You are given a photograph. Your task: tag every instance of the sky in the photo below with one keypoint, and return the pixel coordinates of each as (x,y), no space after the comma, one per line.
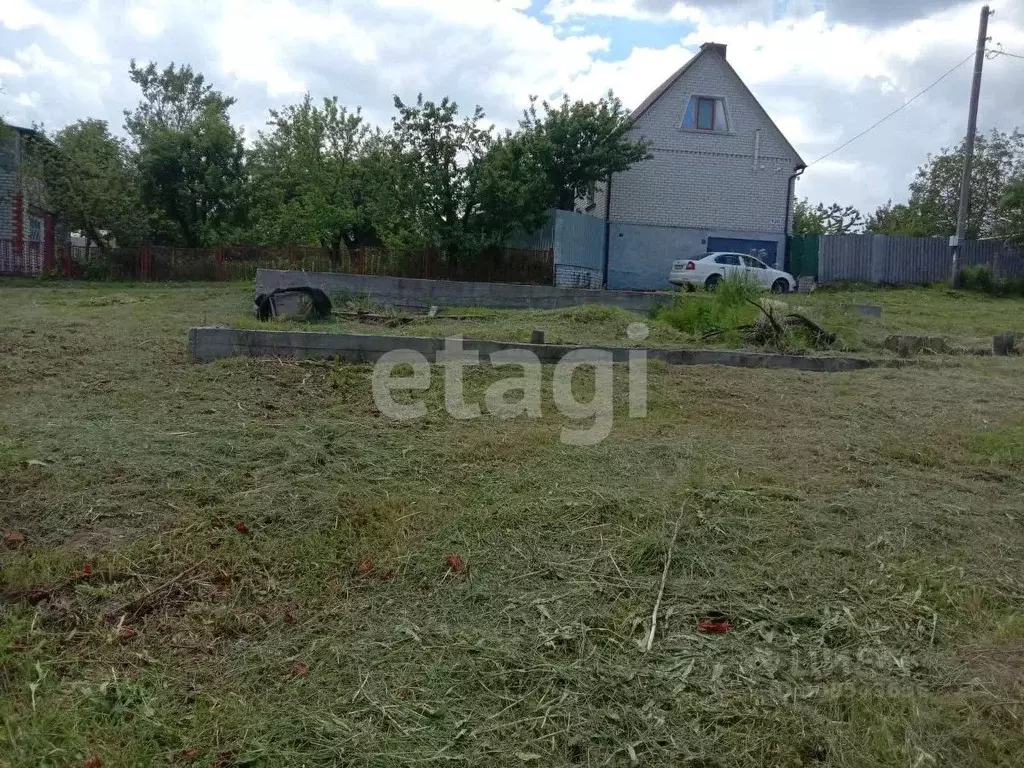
(824,69)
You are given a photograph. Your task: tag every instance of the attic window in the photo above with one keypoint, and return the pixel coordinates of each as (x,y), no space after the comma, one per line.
(706,113)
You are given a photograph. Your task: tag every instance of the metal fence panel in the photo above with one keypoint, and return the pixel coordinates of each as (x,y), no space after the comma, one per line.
(1003,259)
(913,260)
(845,257)
(897,260)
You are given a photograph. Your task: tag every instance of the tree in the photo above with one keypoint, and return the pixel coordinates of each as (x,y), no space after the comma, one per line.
(426,173)
(819,220)
(189,156)
(90,182)
(578,144)
(1011,211)
(308,175)
(896,219)
(935,191)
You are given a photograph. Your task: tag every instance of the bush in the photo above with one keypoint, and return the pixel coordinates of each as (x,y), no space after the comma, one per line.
(737,289)
(979,278)
(723,309)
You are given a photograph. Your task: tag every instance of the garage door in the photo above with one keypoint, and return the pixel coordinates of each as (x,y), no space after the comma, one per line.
(765,250)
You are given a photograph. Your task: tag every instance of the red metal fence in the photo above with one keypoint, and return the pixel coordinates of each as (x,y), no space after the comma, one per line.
(241,262)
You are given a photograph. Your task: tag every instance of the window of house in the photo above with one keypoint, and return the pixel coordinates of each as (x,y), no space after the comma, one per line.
(35,230)
(706,113)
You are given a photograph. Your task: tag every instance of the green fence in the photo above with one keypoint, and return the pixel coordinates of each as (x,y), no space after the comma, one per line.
(803,255)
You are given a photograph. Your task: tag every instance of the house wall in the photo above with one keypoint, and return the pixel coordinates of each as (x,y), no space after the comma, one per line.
(9,185)
(27,228)
(640,256)
(700,179)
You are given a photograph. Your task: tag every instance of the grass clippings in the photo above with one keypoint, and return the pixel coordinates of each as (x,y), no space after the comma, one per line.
(860,533)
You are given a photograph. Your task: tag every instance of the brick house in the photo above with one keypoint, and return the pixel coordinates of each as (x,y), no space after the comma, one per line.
(26,224)
(721,175)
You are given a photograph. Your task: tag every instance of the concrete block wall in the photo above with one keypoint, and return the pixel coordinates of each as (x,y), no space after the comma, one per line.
(569,276)
(409,292)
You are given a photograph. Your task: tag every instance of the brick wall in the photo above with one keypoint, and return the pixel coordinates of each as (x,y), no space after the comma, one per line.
(703,179)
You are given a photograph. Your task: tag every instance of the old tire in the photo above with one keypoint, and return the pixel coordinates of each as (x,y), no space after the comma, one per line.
(780,286)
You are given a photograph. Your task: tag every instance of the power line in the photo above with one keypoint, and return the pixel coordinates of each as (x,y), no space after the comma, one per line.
(991,53)
(905,104)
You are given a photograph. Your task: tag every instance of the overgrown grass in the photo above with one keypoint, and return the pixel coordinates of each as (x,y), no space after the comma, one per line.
(861,532)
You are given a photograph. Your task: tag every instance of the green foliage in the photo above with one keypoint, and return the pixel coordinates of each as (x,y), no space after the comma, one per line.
(189,156)
(578,144)
(980,278)
(935,192)
(737,289)
(1011,210)
(820,220)
(308,174)
(897,219)
(725,309)
(91,183)
(424,178)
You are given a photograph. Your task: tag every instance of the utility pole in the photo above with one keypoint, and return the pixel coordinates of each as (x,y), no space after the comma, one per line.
(972,128)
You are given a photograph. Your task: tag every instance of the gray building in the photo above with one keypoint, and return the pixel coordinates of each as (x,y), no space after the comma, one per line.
(26,223)
(721,176)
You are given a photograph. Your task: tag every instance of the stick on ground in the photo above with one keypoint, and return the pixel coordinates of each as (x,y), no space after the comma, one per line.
(664,578)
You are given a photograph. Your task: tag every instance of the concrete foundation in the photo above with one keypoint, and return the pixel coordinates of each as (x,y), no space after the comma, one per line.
(410,292)
(208,344)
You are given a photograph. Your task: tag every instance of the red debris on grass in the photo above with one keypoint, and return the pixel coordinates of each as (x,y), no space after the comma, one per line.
(93,762)
(190,754)
(715,627)
(86,571)
(14,538)
(387,575)
(242,528)
(456,563)
(365,566)
(300,670)
(126,634)
(38,595)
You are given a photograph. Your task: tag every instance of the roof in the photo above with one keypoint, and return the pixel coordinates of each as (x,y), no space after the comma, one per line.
(711,49)
(20,129)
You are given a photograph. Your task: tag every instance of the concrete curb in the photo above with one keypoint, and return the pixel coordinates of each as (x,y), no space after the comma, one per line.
(413,292)
(208,344)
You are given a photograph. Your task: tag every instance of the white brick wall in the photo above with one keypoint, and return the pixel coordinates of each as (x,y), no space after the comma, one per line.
(703,179)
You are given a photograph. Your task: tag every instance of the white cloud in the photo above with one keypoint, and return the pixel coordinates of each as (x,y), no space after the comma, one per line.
(36,62)
(823,70)
(31,100)
(10,68)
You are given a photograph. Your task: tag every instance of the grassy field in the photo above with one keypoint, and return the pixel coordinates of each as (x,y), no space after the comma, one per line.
(968,320)
(244,564)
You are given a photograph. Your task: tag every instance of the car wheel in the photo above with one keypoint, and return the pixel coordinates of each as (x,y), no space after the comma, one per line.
(780,286)
(690,288)
(712,282)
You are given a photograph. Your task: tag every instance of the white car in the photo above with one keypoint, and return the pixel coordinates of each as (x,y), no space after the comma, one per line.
(709,269)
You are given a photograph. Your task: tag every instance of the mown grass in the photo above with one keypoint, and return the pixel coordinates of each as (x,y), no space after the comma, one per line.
(861,532)
(968,320)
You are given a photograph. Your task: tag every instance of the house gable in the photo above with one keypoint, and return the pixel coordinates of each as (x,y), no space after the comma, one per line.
(660,118)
